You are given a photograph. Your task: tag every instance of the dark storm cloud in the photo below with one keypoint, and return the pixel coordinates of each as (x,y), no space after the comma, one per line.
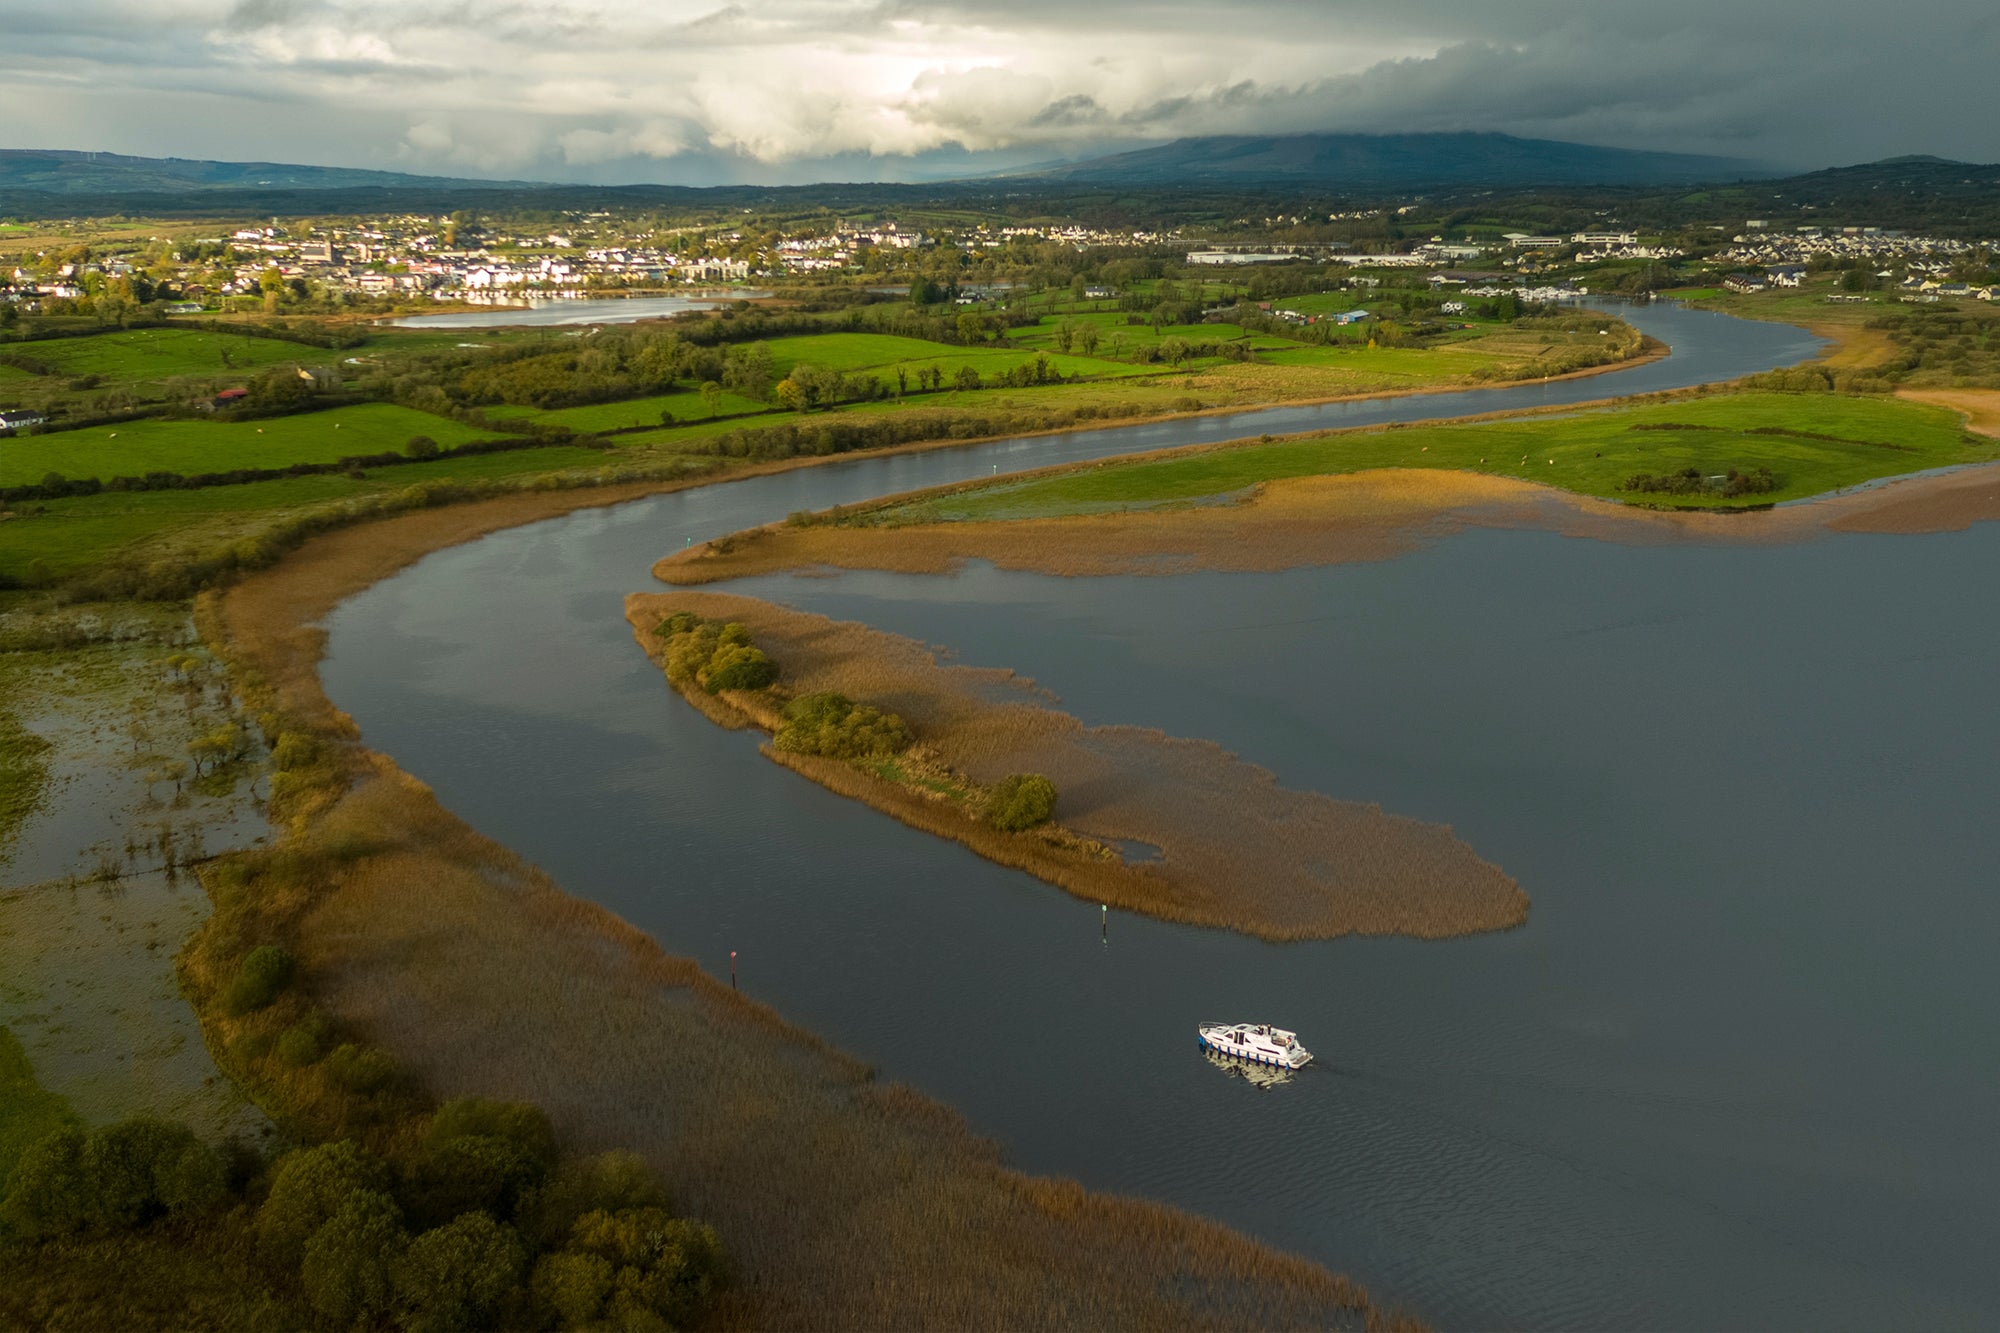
(800,88)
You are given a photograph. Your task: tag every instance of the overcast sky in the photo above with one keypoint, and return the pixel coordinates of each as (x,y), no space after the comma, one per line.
(791,90)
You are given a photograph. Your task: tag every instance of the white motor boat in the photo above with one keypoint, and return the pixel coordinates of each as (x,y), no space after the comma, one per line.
(1258,1043)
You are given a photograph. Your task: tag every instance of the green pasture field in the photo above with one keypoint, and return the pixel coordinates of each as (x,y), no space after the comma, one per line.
(137,356)
(1320,303)
(134,448)
(882,354)
(685,404)
(1592,453)
(73,534)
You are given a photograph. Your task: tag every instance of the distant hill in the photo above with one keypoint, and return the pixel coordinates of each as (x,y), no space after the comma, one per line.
(1375,161)
(53,172)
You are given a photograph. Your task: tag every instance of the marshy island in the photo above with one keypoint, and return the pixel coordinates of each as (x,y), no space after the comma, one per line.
(1177,829)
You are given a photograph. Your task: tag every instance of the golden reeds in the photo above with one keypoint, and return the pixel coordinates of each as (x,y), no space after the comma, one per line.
(1236,850)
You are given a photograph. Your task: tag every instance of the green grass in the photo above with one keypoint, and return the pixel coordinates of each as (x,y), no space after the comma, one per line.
(1593,453)
(134,448)
(28,1111)
(685,404)
(139,355)
(882,354)
(71,535)
(1319,303)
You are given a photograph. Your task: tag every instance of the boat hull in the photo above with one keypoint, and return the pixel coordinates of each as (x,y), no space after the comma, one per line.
(1297,1059)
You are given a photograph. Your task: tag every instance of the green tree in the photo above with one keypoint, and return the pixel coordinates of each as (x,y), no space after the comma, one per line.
(347,1266)
(1021,801)
(711,396)
(307,1189)
(264,971)
(421,446)
(457,1275)
(607,1182)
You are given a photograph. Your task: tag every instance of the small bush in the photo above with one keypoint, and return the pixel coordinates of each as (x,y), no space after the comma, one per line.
(421,446)
(304,1042)
(1021,801)
(360,1069)
(739,668)
(265,970)
(524,1125)
(833,725)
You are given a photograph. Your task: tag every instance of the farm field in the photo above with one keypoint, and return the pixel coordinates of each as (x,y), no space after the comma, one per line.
(65,536)
(191,447)
(687,405)
(1811,443)
(884,354)
(138,356)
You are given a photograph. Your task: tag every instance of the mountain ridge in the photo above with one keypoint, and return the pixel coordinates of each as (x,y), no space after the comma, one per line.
(1397,160)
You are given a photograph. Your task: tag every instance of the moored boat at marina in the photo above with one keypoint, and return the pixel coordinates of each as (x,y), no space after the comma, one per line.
(1259,1043)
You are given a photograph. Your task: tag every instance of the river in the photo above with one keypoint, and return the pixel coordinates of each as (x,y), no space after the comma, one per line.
(568,312)
(1735,1071)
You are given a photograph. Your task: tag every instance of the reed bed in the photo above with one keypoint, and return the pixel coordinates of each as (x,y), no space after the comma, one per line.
(1237,851)
(1319,520)
(844,1202)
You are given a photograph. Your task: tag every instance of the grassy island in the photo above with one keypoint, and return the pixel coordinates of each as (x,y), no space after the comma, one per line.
(1234,849)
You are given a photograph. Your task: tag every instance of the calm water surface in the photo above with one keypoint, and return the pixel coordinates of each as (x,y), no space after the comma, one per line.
(564,312)
(1736,1071)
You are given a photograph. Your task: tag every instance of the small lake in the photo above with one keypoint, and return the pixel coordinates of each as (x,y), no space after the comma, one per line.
(1736,1070)
(565,313)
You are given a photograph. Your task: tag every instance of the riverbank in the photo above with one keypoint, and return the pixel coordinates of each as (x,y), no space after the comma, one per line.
(1227,846)
(1322,520)
(845,1203)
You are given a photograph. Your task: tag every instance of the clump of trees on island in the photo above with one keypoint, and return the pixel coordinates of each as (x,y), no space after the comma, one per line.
(714,657)
(834,726)
(1693,481)
(710,656)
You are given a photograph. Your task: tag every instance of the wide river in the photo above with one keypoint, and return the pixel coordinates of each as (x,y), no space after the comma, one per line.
(1738,1068)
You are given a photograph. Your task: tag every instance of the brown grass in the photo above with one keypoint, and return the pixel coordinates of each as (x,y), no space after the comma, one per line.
(1237,850)
(847,1204)
(1981,407)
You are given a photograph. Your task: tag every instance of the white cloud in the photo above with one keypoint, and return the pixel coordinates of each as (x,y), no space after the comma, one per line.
(582,88)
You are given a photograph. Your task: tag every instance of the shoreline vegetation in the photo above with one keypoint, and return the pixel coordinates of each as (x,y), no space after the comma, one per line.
(1234,850)
(1208,507)
(474,975)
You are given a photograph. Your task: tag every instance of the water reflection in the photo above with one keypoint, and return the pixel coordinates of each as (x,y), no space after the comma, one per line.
(1264,1077)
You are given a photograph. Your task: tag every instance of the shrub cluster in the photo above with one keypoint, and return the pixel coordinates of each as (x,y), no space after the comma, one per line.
(714,656)
(833,725)
(1021,801)
(124,1175)
(1692,481)
(476,1225)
